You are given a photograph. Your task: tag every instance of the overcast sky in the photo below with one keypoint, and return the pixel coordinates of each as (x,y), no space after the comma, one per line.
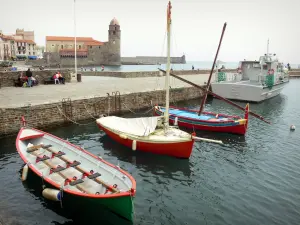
(196,25)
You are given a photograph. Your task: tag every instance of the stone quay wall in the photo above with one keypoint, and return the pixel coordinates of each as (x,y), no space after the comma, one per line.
(7,78)
(68,111)
(144,73)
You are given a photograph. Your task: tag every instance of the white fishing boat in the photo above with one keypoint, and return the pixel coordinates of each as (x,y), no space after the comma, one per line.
(255,81)
(151,134)
(74,176)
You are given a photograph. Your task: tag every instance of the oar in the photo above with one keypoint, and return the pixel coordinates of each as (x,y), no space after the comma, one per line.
(217,96)
(208,140)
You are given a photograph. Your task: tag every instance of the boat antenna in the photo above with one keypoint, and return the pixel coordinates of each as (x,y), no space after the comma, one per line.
(75,41)
(268,48)
(211,71)
(166,114)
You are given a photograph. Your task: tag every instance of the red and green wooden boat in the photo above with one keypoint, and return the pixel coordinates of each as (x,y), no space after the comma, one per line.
(73,176)
(208,121)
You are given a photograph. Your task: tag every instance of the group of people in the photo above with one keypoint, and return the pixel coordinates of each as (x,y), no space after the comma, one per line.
(57,77)
(27,80)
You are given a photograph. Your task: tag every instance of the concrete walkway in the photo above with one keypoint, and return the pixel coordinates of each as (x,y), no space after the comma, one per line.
(12,97)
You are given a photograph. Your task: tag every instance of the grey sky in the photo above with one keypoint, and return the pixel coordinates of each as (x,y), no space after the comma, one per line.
(197,25)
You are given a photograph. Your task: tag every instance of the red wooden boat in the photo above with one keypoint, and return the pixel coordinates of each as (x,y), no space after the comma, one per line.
(151,134)
(207,120)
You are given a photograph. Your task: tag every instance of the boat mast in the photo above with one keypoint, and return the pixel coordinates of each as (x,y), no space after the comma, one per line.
(211,71)
(75,44)
(268,48)
(166,114)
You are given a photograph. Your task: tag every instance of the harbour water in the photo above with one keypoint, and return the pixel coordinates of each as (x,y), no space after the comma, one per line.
(248,180)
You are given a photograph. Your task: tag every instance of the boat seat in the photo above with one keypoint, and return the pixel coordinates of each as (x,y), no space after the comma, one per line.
(58,154)
(57,169)
(39,159)
(75,182)
(34,148)
(73,164)
(46,146)
(93,176)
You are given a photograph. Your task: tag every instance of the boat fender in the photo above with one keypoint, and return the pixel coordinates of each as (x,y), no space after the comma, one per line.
(217,116)
(115,185)
(51,194)
(97,193)
(102,115)
(25,172)
(123,136)
(134,145)
(176,121)
(293,127)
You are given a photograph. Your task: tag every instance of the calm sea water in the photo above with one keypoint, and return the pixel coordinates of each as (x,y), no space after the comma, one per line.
(249,180)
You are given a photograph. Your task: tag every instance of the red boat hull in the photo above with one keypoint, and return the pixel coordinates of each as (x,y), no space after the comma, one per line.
(240,129)
(174,149)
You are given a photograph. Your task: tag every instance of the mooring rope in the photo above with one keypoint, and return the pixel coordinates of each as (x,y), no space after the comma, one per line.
(80,124)
(143,113)
(89,112)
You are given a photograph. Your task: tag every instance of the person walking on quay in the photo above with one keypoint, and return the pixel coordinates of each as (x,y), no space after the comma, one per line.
(29,75)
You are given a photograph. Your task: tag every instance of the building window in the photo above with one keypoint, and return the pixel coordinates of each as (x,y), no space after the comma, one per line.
(33,53)
(115,28)
(99,47)
(114,32)
(19,52)
(52,45)
(62,47)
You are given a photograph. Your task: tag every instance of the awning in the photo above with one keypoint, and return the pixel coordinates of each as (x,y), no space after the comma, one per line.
(21,56)
(32,57)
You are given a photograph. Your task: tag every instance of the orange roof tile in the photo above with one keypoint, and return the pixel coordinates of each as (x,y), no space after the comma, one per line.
(27,41)
(7,37)
(93,43)
(60,38)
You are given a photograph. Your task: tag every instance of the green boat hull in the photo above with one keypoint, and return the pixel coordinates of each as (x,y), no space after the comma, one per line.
(91,207)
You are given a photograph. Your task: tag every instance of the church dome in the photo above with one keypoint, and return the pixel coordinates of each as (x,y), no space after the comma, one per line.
(114,21)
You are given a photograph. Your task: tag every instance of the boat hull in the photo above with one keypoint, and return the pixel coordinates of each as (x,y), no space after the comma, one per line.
(175,149)
(245,91)
(232,127)
(120,203)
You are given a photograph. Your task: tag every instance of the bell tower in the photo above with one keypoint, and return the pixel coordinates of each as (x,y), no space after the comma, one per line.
(114,39)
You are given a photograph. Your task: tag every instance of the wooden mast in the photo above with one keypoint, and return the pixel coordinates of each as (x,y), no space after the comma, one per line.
(211,72)
(167,81)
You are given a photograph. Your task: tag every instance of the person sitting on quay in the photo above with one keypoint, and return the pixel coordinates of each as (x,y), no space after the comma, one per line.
(61,78)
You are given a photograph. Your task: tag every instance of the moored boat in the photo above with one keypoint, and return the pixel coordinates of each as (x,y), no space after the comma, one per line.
(255,81)
(208,121)
(148,134)
(152,134)
(73,176)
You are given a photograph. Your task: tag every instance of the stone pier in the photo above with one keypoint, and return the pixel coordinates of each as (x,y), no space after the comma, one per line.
(47,106)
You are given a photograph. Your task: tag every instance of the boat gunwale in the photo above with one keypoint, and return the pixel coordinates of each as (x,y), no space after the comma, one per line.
(130,193)
(208,113)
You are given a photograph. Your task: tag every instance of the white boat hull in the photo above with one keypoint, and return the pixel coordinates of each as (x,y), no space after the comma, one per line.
(245,91)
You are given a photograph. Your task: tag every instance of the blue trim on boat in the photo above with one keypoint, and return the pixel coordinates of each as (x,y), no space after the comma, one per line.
(181,113)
